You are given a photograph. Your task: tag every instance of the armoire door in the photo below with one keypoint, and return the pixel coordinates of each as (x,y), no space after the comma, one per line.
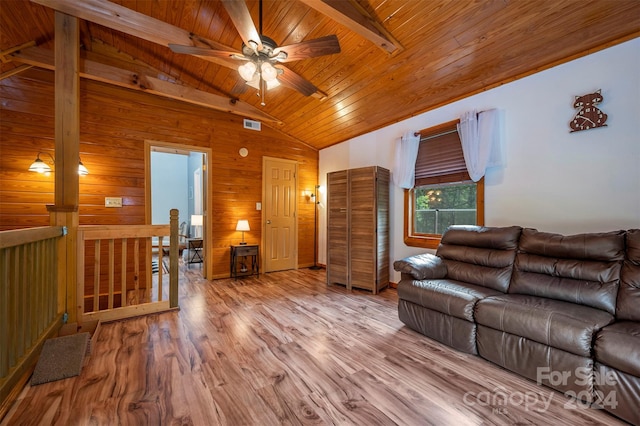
(337,227)
(362,230)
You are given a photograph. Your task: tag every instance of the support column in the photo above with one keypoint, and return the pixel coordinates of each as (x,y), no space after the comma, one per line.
(67,154)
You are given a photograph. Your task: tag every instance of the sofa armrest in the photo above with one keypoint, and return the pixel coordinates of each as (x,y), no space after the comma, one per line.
(422,267)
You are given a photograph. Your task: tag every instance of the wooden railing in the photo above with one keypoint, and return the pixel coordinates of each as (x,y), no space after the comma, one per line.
(30,311)
(116,278)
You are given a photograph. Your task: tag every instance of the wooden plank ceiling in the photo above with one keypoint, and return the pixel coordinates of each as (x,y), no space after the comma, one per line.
(448,49)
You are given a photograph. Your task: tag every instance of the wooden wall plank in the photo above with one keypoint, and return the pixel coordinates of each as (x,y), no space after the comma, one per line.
(115,122)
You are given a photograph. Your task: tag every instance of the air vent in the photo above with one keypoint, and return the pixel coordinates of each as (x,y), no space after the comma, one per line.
(253,125)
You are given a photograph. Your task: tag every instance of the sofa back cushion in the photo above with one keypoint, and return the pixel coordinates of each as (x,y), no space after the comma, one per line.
(628,307)
(582,269)
(480,255)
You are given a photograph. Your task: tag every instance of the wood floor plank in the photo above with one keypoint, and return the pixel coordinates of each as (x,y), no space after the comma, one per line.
(286,349)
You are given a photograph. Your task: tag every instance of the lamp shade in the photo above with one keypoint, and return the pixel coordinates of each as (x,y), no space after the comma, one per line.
(243,225)
(39,166)
(196,220)
(269,73)
(82,170)
(247,70)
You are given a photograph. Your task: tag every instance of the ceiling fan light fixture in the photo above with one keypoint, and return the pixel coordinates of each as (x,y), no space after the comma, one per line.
(247,70)
(269,72)
(255,81)
(272,84)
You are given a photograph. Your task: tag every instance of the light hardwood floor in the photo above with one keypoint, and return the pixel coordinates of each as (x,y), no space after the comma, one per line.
(286,349)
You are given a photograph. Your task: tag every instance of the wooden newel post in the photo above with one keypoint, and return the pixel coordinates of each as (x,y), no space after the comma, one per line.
(173,258)
(67,147)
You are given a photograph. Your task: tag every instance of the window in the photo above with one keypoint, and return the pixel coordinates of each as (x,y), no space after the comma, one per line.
(444,194)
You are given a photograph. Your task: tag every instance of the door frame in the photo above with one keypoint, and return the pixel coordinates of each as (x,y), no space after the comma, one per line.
(207,266)
(263,224)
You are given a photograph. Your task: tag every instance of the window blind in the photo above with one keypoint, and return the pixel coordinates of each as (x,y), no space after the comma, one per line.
(440,159)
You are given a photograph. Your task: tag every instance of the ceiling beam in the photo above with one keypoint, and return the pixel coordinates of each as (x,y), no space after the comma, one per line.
(139,25)
(357,19)
(91,70)
(14,71)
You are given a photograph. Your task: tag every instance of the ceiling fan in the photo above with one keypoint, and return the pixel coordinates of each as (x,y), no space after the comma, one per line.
(262,56)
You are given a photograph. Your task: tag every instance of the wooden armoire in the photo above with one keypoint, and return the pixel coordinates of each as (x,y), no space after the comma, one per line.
(358,228)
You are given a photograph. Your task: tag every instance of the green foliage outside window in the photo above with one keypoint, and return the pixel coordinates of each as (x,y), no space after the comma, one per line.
(440,206)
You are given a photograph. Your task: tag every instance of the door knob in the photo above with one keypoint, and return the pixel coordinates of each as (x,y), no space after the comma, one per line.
(268,222)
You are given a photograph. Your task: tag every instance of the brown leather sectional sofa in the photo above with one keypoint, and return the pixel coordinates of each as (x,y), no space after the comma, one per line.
(561,310)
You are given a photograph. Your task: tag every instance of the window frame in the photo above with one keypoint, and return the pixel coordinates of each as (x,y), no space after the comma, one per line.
(431,241)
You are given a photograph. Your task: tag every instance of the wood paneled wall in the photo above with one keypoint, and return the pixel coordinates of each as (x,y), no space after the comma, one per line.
(115,122)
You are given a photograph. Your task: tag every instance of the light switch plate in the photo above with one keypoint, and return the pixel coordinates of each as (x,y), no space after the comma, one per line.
(258,206)
(113,201)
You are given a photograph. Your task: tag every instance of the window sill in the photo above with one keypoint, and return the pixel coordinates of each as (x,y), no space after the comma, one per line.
(424,242)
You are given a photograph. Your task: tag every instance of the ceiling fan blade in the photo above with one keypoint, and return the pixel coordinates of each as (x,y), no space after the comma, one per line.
(201,51)
(309,49)
(241,18)
(294,81)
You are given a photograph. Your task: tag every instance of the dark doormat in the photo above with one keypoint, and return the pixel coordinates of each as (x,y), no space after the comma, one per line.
(61,357)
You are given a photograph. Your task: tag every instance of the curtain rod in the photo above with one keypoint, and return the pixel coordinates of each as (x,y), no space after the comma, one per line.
(445,133)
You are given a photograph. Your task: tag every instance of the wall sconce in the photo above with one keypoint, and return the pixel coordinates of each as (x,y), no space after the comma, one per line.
(39,166)
(308,196)
(196,221)
(243,225)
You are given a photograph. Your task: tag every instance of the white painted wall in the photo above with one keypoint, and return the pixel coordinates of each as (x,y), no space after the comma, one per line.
(169,187)
(553,180)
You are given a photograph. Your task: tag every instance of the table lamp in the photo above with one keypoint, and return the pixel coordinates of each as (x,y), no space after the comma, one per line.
(243,225)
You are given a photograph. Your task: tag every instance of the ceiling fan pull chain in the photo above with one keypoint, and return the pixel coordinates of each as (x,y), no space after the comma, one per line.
(262,90)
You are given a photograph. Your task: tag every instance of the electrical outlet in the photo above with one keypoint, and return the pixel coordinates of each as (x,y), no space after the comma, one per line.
(113,201)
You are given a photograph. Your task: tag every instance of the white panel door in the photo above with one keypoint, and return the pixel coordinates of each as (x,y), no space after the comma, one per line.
(280,249)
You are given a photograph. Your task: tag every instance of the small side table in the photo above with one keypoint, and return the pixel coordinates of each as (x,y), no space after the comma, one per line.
(194,251)
(245,260)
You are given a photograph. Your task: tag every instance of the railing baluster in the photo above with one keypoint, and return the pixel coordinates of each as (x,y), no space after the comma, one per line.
(4,311)
(32,287)
(22,298)
(96,277)
(80,274)
(111,271)
(123,274)
(136,269)
(160,255)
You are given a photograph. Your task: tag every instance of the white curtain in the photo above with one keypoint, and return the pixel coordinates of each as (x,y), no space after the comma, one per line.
(404,169)
(480,137)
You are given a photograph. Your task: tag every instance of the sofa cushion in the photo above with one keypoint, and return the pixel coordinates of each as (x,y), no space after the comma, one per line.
(454,332)
(497,238)
(628,305)
(446,296)
(480,255)
(422,266)
(618,346)
(582,269)
(562,325)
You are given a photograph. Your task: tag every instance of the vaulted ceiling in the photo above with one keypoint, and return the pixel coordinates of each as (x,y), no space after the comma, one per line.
(445,50)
